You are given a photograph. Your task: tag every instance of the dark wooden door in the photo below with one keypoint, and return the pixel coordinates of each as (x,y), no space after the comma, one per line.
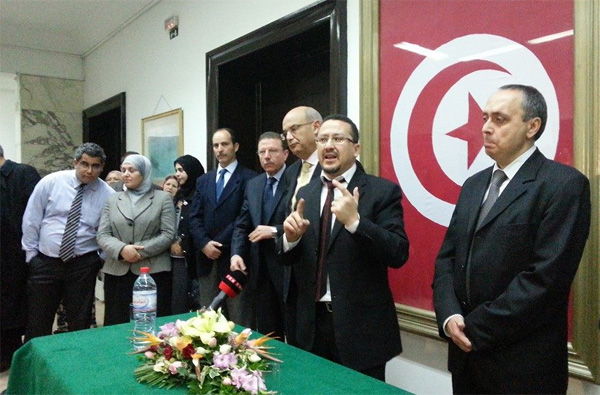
(255,80)
(104,124)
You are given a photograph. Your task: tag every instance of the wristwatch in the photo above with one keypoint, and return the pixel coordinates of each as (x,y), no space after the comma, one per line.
(273,232)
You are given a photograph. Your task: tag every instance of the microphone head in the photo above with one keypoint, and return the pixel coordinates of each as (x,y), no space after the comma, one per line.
(233,283)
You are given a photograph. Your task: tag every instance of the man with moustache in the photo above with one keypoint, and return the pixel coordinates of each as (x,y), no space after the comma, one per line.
(344,234)
(505,268)
(64,203)
(260,222)
(215,207)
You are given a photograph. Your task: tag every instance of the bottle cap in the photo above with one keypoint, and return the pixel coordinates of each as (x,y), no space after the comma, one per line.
(144,270)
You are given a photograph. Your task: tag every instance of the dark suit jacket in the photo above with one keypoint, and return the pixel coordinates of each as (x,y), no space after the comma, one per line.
(364,317)
(210,220)
(514,290)
(250,217)
(16,185)
(291,176)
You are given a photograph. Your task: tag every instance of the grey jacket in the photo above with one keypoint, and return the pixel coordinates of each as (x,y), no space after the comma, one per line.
(150,223)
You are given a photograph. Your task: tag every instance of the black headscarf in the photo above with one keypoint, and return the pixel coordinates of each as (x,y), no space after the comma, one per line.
(194,169)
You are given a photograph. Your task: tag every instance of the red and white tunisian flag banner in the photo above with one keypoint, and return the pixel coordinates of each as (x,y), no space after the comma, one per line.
(439,63)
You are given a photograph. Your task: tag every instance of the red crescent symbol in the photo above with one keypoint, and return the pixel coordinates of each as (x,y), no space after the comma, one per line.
(420,142)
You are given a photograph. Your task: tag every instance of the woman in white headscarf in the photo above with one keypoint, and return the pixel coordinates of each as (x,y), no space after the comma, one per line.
(137,228)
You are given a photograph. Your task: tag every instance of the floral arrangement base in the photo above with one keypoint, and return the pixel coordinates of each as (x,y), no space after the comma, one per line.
(206,355)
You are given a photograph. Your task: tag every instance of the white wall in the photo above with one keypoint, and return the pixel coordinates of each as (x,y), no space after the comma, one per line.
(10,125)
(42,63)
(144,63)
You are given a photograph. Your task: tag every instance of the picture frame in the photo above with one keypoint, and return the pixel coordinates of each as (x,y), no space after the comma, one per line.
(162,142)
(584,349)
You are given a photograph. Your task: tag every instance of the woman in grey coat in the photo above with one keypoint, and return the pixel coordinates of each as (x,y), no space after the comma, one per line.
(136,229)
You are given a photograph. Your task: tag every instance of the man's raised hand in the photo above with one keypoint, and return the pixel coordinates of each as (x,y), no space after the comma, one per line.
(295,225)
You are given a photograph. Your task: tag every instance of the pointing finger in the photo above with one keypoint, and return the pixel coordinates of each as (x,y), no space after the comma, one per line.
(356,194)
(300,208)
(341,187)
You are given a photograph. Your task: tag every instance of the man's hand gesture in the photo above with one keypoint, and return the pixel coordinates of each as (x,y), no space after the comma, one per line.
(295,225)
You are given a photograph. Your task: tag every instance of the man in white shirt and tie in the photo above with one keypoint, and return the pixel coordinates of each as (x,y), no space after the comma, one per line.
(59,239)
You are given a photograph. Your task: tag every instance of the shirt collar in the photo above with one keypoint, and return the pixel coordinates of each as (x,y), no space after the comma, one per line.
(512,169)
(347,175)
(230,168)
(278,174)
(313,159)
(77,182)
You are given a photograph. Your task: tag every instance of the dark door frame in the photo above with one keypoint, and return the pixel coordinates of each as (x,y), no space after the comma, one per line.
(110,104)
(279,30)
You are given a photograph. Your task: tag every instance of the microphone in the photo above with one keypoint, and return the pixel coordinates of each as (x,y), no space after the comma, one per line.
(231,285)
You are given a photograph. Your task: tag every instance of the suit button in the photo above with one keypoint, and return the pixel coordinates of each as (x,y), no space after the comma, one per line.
(462,267)
(130,224)
(463,303)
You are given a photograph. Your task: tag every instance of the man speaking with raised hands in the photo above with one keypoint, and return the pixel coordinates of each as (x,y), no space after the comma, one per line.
(345,232)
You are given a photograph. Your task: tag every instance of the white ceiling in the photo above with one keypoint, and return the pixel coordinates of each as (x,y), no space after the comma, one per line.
(73,27)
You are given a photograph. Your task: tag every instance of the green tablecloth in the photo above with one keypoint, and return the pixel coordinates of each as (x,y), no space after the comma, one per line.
(96,361)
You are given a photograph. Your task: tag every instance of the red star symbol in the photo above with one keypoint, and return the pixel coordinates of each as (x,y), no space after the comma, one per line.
(471,131)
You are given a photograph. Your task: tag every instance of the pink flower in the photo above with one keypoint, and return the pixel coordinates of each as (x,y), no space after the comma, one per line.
(168,330)
(149,354)
(224,361)
(174,366)
(252,382)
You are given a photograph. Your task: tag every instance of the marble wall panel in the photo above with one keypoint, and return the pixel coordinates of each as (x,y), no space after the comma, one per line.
(51,124)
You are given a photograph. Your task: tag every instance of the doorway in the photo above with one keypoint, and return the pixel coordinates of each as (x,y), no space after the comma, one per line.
(253,81)
(104,124)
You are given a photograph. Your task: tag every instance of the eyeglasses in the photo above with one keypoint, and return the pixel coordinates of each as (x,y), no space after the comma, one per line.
(337,140)
(262,154)
(293,129)
(86,166)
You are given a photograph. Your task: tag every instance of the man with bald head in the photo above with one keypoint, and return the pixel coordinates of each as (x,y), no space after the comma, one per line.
(299,128)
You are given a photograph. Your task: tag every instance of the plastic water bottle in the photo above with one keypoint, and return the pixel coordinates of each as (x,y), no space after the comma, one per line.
(144,306)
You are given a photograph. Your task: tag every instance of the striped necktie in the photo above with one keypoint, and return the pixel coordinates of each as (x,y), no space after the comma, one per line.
(67,246)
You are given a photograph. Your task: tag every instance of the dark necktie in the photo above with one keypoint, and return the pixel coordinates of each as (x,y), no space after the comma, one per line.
(67,245)
(324,242)
(497,179)
(221,183)
(268,199)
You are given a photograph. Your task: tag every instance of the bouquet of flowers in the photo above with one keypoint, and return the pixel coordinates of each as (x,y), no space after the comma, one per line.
(206,355)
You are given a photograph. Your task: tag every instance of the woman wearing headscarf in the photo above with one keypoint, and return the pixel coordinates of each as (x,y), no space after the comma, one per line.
(136,229)
(183,252)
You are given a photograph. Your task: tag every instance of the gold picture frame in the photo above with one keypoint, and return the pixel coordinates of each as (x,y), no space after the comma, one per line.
(584,350)
(162,142)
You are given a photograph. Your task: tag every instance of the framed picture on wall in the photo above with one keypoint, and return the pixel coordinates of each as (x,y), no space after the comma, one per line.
(162,142)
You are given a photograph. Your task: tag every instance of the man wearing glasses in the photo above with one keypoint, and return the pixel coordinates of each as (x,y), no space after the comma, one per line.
(346,231)
(59,239)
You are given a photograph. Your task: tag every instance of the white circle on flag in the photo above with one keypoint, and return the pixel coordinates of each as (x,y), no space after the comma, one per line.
(522,67)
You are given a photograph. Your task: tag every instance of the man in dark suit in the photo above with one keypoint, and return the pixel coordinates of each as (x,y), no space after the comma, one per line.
(345,309)
(504,270)
(216,205)
(256,229)
(300,126)
(16,185)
